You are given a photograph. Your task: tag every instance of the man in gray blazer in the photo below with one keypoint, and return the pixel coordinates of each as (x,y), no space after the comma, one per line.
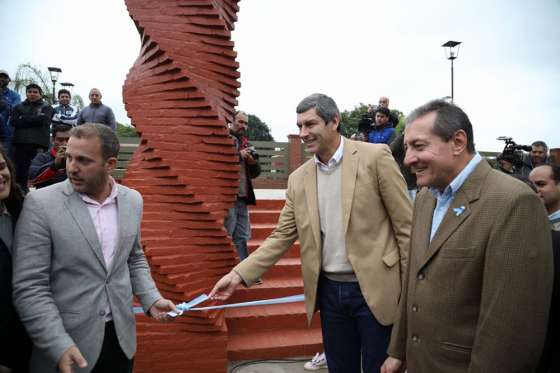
(78,262)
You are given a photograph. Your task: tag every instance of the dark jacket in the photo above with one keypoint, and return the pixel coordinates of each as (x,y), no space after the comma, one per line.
(550,361)
(43,172)
(253,171)
(97,113)
(31,122)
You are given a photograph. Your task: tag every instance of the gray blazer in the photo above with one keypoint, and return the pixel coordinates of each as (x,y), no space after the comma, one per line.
(61,283)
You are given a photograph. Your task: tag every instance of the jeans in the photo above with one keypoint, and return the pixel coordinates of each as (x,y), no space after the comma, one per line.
(238,227)
(352,337)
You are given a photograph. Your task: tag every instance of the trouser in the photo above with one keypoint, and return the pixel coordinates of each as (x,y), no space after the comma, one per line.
(112,357)
(238,226)
(23,155)
(352,337)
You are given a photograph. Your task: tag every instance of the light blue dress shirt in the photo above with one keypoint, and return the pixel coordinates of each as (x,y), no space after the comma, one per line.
(445,198)
(334,161)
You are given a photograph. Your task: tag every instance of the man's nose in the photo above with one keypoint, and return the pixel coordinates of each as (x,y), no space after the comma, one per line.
(409,157)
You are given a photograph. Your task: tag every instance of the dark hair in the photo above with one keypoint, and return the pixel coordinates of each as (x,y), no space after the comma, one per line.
(555,173)
(540,144)
(62,91)
(14,202)
(109,141)
(383,110)
(33,86)
(60,128)
(450,119)
(324,106)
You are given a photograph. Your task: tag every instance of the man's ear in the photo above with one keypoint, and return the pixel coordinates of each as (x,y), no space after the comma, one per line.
(336,122)
(459,142)
(111,164)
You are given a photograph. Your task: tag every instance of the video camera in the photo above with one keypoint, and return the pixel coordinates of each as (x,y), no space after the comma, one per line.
(512,152)
(366,121)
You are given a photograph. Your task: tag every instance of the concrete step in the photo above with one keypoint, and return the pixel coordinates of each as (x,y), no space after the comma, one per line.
(268,204)
(275,344)
(268,318)
(264,216)
(260,231)
(293,252)
(285,268)
(270,288)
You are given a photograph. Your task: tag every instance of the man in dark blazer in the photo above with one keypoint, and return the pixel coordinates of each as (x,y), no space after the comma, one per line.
(78,262)
(477,293)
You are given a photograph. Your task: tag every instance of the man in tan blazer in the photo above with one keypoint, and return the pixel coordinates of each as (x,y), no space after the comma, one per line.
(479,279)
(349,208)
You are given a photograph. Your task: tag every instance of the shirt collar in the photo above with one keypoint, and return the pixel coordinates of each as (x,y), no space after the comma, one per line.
(109,199)
(335,159)
(554,215)
(459,180)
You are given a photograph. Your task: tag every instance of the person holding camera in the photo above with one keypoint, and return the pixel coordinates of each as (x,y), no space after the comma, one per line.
(237,222)
(49,168)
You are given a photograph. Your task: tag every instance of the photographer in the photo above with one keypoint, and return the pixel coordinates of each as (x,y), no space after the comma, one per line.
(538,155)
(50,167)
(237,221)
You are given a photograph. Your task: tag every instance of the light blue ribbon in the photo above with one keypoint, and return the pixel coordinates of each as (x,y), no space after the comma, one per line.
(190,306)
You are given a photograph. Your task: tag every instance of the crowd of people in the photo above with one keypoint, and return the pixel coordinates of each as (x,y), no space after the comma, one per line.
(417,253)
(28,128)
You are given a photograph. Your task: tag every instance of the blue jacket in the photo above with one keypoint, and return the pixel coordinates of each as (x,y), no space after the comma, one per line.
(383,135)
(12,98)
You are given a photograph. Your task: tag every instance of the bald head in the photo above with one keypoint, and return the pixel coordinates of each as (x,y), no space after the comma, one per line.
(384,101)
(546,179)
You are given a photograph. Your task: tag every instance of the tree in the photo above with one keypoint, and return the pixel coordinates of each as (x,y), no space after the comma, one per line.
(27,73)
(258,130)
(351,118)
(126,130)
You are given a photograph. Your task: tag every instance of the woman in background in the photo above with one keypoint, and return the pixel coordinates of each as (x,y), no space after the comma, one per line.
(16,350)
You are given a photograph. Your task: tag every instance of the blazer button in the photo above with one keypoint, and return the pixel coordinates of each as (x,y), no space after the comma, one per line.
(415,308)
(420,276)
(101,313)
(415,338)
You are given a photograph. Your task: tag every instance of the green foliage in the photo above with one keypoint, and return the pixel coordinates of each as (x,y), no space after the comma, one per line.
(351,118)
(258,130)
(126,130)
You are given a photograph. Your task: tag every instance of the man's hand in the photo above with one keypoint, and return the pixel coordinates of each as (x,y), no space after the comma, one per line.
(393,365)
(60,157)
(246,155)
(159,310)
(226,286)
(69,358)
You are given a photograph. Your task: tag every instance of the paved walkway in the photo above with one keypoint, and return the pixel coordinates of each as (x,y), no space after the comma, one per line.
(274,366)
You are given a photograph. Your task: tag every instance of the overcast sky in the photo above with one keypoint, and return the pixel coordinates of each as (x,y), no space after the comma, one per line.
(507,76)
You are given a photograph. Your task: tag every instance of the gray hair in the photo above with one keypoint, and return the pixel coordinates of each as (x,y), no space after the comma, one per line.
(324,106)
(450,119)
(109,141)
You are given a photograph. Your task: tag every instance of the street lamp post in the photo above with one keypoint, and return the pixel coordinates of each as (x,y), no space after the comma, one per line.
(68,86)
(451,53)
(53,72)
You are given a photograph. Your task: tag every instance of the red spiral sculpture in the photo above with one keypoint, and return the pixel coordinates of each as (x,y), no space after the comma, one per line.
(181,93)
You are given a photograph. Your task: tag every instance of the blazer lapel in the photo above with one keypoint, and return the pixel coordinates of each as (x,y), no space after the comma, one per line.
(79,211)
(423,226)
(310,185)
(124,223)
(349,172)
(459,210)
(450,223)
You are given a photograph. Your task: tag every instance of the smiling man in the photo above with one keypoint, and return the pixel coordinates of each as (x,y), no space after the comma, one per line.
(479,279)
(350,210)
(78,262)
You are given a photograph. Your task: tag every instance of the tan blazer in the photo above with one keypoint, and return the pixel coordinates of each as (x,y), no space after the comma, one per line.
(476,298)
(376,218)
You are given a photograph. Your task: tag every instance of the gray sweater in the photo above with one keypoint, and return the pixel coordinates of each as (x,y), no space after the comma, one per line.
(97,114)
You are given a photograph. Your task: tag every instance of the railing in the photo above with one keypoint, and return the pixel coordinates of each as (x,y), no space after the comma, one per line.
(277,159)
